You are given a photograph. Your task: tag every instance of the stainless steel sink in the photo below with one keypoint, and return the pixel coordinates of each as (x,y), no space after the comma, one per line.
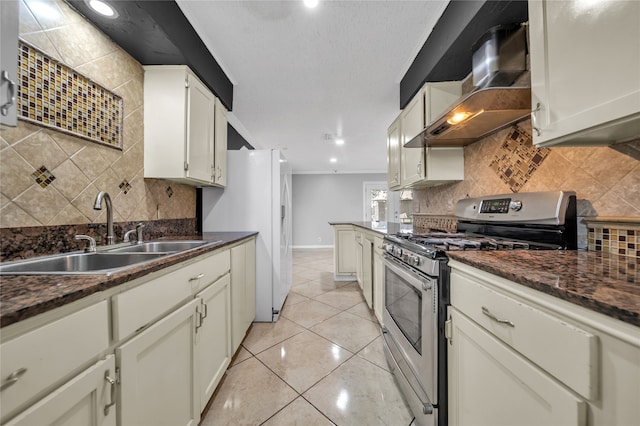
(161,246)
(77,263)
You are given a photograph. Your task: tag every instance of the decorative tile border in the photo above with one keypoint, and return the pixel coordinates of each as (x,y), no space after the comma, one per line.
(53,95)
(517,159)
(616,237)
(426,223)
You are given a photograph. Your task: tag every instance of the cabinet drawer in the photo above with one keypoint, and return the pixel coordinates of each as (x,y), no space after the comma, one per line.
(563,350)
(49,353)
(136,308)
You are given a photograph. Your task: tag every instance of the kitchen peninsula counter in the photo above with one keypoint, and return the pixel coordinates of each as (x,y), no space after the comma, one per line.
(605,283)
(24,296)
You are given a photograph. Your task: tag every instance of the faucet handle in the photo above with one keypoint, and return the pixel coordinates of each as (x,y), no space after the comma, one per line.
(92,242)
(127,236)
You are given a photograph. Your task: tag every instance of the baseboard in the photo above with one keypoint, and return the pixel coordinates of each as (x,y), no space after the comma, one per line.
(311,247)
(344,277)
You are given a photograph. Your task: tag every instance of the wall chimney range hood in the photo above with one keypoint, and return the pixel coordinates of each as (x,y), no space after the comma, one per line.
(499,58)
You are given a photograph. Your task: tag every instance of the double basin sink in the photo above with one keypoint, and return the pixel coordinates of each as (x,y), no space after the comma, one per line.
(105,261)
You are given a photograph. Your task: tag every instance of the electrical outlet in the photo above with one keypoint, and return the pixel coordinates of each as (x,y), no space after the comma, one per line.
(319,239)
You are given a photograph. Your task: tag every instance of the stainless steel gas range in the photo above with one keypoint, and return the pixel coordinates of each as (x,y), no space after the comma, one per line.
(417,283)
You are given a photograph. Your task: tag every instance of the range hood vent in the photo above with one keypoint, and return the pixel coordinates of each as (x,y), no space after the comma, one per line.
(499,58)
(476,115)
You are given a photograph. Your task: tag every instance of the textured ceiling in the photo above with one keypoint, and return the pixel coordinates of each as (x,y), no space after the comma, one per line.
(304,75)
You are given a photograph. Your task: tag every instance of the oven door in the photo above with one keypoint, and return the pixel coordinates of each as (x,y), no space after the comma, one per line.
(410,334)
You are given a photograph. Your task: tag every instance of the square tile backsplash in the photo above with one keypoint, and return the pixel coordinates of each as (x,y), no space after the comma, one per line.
(620,238)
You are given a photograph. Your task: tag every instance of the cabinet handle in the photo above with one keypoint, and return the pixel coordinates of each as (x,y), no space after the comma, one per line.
(206,311)
(13,378)
(11,93)
(488,313)
(534,119)
(112,394)
(197,277)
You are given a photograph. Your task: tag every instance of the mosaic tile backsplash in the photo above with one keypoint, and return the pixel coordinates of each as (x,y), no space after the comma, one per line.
(617,238)
(54,95)
(49,177)
(517,159)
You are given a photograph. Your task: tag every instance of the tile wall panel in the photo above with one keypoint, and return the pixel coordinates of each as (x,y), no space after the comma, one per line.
(81,168)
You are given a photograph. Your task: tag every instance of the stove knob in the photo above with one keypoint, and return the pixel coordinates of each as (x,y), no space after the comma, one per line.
(515,205)
(397,251)
(415,261)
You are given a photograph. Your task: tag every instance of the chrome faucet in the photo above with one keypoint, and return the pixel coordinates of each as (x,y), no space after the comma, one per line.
(98,206)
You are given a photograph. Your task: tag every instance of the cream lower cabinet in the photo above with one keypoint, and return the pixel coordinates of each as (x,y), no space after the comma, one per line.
(367,268)
(359,257)
(243,291)
(87,399)
(45,364)
(493,385)
(213,337)
(378,278)
(344,253)
(158,372)
(517,356)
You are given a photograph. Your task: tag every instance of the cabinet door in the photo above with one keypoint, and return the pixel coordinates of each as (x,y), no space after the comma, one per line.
(200,116)
(250,282)
(345,252)
(239,296)
(367,271)
(412,159)
(87,399)
(213,337)
(393,154)
(220,154)
(359,259)
(490,384)
(8,61)
(158,373)
(378,279)
(597,83)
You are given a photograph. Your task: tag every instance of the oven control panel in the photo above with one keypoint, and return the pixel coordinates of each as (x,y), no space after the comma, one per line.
(527,207)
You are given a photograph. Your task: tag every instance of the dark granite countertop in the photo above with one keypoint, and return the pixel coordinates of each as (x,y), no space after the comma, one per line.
(603,282)
(390,229)
(24,296)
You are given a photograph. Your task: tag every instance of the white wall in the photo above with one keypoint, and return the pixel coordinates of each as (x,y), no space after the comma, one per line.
(320,199)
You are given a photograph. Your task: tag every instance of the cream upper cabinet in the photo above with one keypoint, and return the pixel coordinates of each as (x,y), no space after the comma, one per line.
(394,148)
(422,167)
(8,61)
(412,159)
(220,145)
(585,71)
(179,128)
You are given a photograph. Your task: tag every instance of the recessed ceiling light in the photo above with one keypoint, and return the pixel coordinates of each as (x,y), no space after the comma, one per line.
(340,141)
(334,160)
(103,8)
(311,3)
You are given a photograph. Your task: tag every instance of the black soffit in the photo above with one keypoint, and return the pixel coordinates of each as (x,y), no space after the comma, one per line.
(446,55)
(158,33)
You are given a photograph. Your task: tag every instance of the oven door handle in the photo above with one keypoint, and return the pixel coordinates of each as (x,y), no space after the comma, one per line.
(418,280)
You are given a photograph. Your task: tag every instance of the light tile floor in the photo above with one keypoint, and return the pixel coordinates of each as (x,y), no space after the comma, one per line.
(321,364)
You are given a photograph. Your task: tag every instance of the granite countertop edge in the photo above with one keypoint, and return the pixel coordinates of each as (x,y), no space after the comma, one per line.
(25,296)
(602,282)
